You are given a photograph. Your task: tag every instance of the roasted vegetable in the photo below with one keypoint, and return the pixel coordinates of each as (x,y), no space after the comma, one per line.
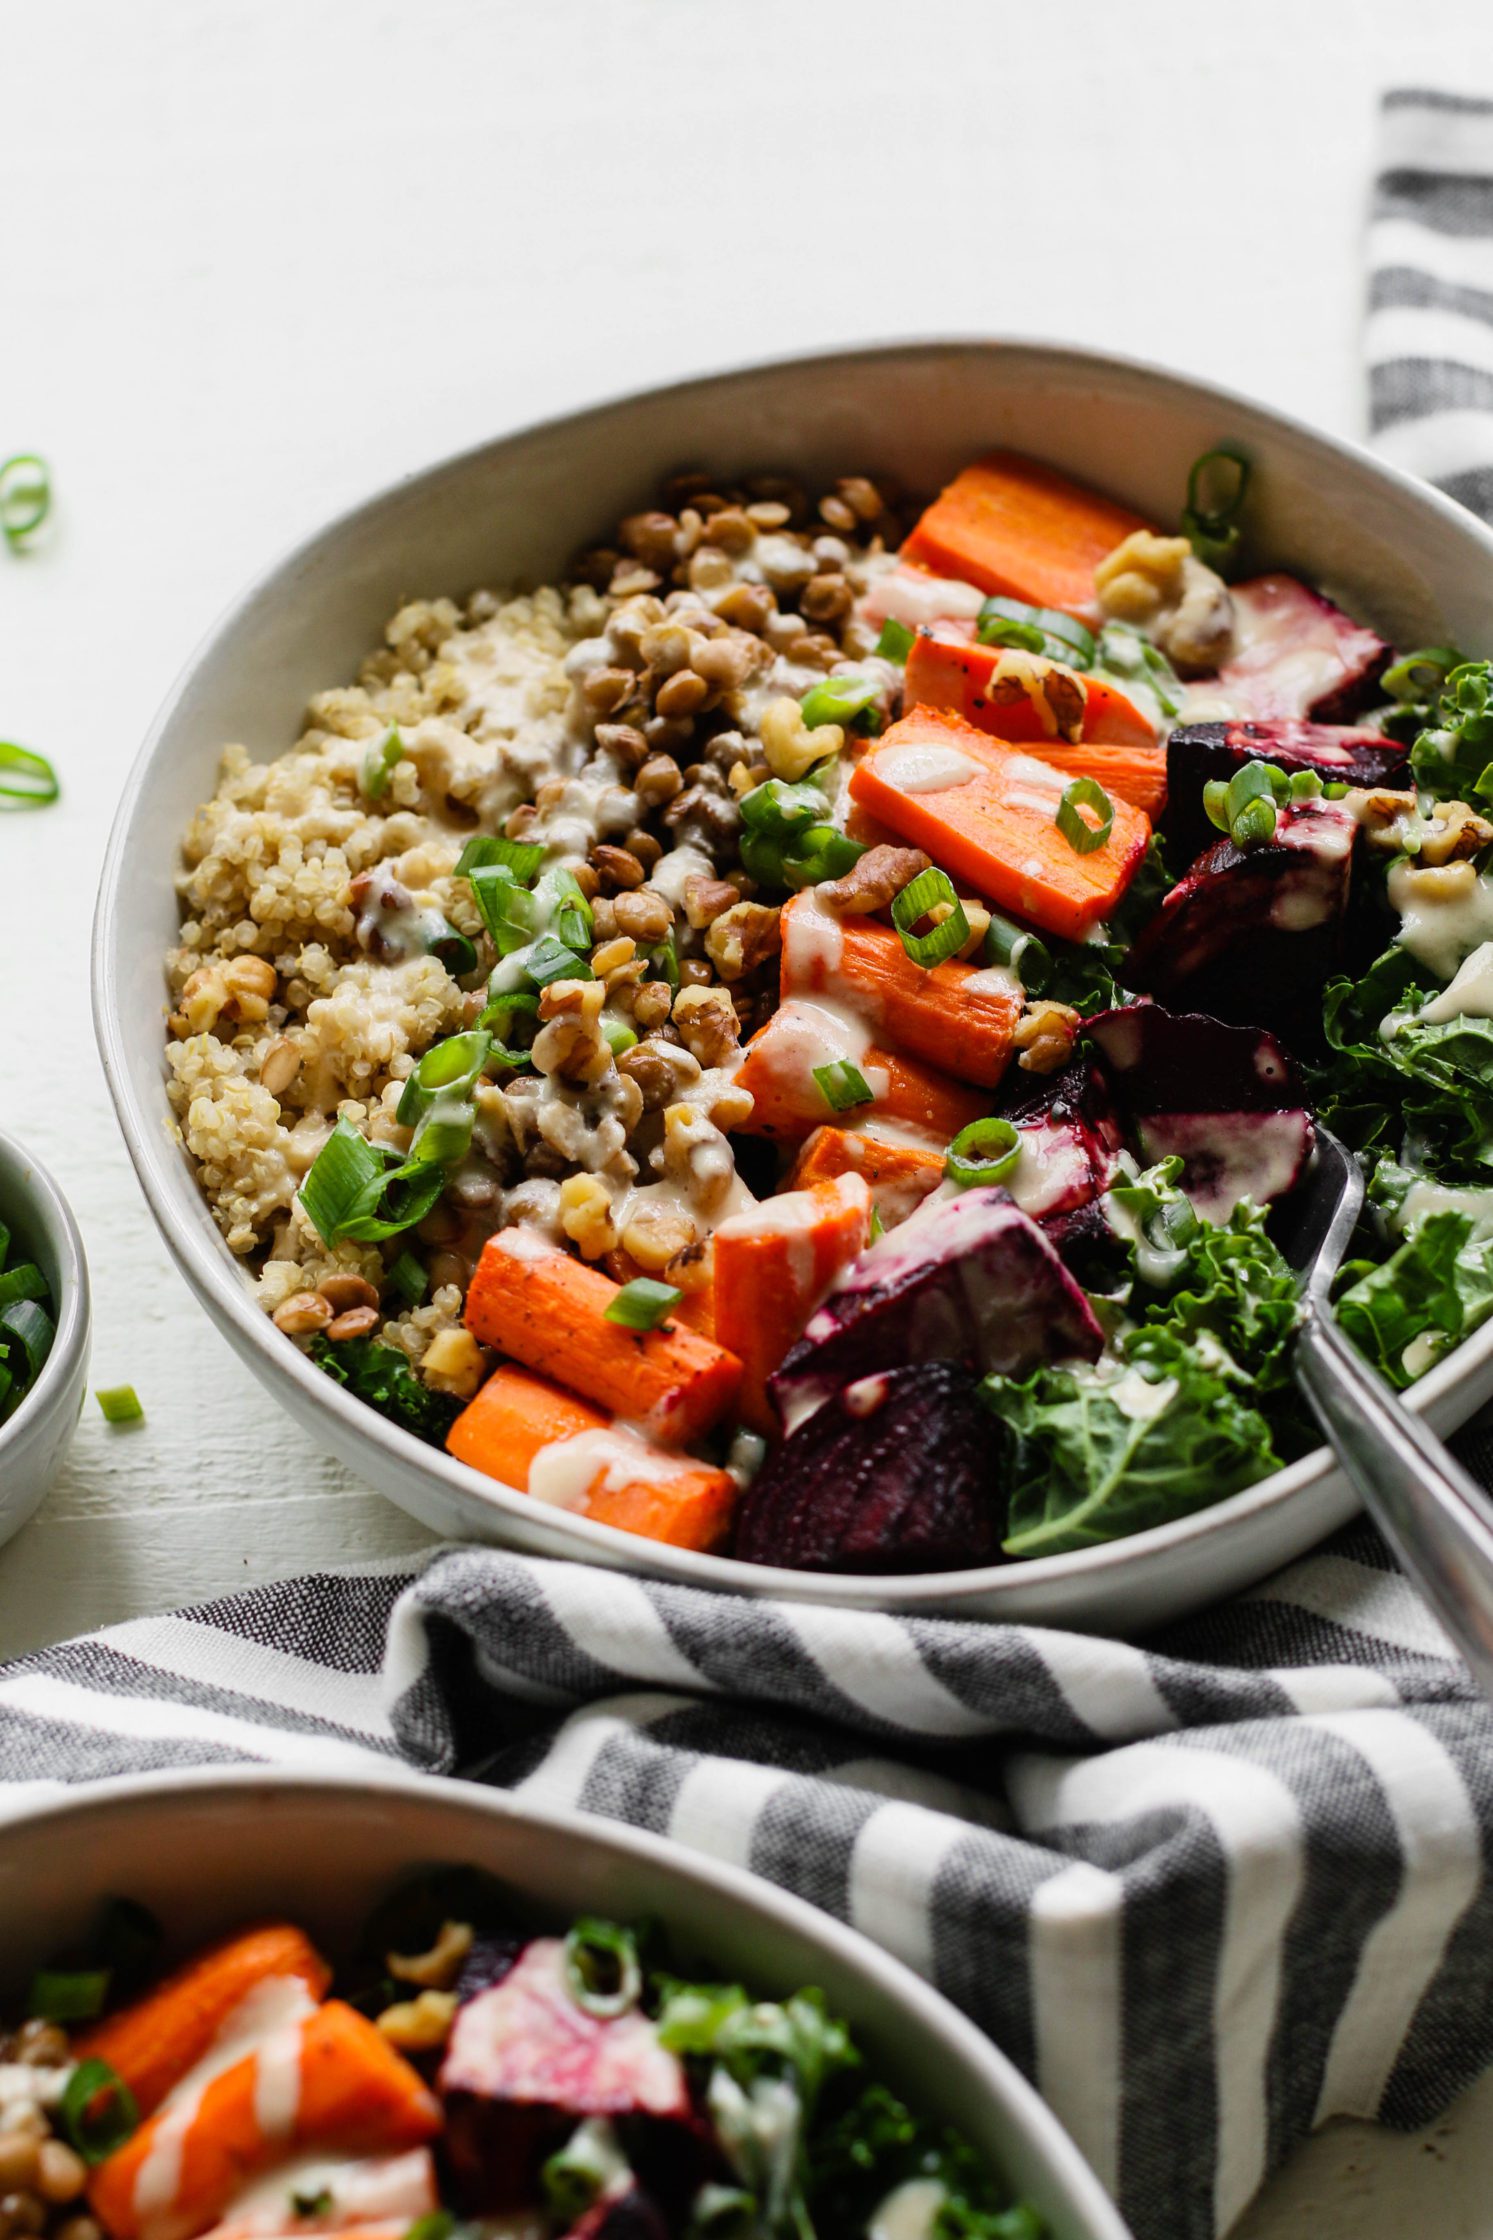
(384,1378)
(890,1474)
(1199,753)
(1296,654)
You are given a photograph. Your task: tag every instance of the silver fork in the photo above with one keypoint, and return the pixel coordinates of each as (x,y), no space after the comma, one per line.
(1437,1520)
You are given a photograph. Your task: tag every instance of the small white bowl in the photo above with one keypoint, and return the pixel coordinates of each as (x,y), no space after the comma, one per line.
(42,1228)
(207,1851)
(516,510)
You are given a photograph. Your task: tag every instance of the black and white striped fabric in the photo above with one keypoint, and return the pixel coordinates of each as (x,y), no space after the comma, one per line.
(1206,1893)
(1429,337)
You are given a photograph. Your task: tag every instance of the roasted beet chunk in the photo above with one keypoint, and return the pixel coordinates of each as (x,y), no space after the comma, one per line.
(524,2062)
(1296,654)
(1069,1139)
(1225,1100)
(1251,935)
(969,1279)
(892,1474)
(1198,752)
(628,2215)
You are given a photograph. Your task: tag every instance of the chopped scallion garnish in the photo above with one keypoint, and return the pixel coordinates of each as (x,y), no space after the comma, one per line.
(521,857)
(1217,486)
(68,1995)
(120,1403)
(843,1085)
(838,700)
(643,1303)
(99,2112)
(1045,630)
(983,1152)
(364,1191)
(1420,675)
(1021,952)
(509,910)
(619,1035)
(602,1968)
(25,496)
(451,1067)
(1085,838)
(896,641)
(918,897)
(378,763)
(549,960)
(27,780)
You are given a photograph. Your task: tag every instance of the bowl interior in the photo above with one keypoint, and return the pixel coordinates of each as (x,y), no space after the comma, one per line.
(513,512)
(210,1852)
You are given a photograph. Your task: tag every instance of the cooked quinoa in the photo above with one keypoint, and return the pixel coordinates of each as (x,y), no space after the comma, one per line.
(616,719)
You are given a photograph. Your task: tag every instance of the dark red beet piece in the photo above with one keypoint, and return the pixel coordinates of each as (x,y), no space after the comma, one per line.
(969,1279)
(1070,1138)
(892,1474)
(1252,935)
(1199,752)
(621,2216)
(1296,654)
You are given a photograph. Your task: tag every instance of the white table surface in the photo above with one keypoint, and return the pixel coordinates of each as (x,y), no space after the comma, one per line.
(256,259)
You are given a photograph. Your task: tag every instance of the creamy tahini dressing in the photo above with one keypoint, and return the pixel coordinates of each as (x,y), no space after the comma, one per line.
(910,2212)
(1440,928)
(818,1033)
(569,1473)
(813,940)
(1423,1199)
(925,769)
(361,2190)
(1468,996)
(266,2025)
(909,596)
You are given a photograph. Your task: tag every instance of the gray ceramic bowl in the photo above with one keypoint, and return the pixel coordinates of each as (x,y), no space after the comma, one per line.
(516,509)
(207,1851)
(33,1440)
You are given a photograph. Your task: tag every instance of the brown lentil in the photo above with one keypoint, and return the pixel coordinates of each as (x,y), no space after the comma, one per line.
(356,1323)
(616,868)
(302,1313)
(343,1292)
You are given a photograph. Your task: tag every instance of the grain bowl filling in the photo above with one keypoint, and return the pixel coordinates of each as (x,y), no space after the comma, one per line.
(800,1040)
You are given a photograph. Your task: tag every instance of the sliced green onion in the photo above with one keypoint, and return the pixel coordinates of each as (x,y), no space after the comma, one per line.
(1217,486)
(549,960)
(30,1327)
(602,1969)
(24,1282)
(666,959)
(25,496)
(1020,951)
(843,1085)
(982,1152)
(98,2111)
(571,921)
(1306,785)
(68,1995)
(436,2224)
(1124,652)
(1420,675)
(917,898)
(452,949)
(364,1192)
(1335,789)
(1254,824)
(878,1226)
(521,857)
(502,1007)
(838,700)
(778,807)
(578,2173)
(120,1403)
(1044,630)
(896,641)
(27,780)
(724,2213)
(643,1304)
(451,1067)
(619,1036)
(509,910)
(378,763)
(1085,838)
(407,1279)
(1244,806)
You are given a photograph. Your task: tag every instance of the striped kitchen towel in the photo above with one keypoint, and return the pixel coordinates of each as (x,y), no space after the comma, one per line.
(1206,1893)
(1429,336)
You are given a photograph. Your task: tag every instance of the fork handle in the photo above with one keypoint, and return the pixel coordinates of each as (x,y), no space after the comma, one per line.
(1436,1518)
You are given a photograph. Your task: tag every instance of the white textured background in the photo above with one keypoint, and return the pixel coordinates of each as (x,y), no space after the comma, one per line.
(258,256)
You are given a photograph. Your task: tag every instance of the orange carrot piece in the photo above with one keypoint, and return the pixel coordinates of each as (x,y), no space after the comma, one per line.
(696,1310)
(773,1265)
(534,1302)
(343,2086)
(156,2040)
(954,1015)
(994,687)
(778,1069)
(988,814)
(1133,774)
(1011,524)
(900,1175)
(516,1416)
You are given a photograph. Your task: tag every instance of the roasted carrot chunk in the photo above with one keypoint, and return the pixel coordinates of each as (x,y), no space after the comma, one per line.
(534,1302)
(156,2040)
(1011,524)
(533,1435)
(900,1175)
(773,1265)
(1022,697)
(954,1015)
(778,1068)
(988,814)
(331,2080)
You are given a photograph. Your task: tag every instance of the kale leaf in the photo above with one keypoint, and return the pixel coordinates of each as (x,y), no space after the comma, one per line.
(1450,758)
(1436,1288)
(382,1376)
(1426,1093)
(1227,1281)
(1096,1455)
(875,2144)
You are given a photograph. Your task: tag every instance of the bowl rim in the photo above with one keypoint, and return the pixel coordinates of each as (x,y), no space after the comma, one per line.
(901,1985)
(217,1280)
(44,1197)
